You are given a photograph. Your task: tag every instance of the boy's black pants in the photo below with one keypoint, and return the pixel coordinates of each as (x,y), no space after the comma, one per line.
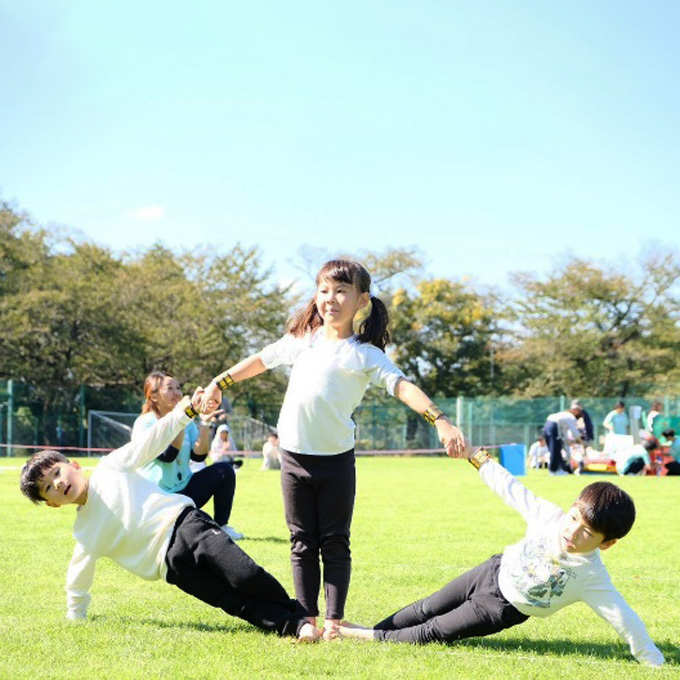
(216,481)
(204,562)
(469,606)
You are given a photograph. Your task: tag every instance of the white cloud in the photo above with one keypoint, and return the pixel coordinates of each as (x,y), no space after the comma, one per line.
(149,212)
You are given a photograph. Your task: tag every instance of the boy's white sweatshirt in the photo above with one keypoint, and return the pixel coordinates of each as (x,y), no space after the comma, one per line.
(126,517)
(539,578)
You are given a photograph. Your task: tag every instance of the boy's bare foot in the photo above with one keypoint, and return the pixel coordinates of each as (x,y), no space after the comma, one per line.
(353,631)
(309,633)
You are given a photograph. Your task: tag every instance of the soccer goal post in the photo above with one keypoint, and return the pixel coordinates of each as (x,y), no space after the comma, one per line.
(107,430)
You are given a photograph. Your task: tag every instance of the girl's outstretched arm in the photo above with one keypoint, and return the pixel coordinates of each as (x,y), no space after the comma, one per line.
(247,368)
(449,434)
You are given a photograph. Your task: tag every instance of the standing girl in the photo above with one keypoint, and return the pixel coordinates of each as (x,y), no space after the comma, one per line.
(331,369)
(171,470)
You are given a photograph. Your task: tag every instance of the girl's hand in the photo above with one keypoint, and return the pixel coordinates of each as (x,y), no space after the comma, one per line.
(197,399)
(213,394)
(451,437)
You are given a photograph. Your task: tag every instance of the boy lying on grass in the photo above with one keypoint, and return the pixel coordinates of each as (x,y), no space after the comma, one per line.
(155,534)
(556,564)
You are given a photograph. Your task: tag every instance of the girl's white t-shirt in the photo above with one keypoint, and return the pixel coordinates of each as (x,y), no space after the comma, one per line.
(327,382)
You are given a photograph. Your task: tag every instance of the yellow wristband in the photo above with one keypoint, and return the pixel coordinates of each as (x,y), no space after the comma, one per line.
(191,411)
(479,457)
(225,382)
(432,413)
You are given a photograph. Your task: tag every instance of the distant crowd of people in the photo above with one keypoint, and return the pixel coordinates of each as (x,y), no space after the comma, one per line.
(572,429)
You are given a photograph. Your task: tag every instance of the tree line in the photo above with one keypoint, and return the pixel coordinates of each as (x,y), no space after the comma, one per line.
(74,313)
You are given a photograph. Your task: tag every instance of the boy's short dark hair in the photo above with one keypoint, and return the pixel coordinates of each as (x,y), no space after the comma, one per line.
(607,509)
(669,433)
(33,472)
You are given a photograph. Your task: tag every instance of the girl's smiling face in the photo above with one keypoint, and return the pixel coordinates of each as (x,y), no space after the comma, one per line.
(337,303)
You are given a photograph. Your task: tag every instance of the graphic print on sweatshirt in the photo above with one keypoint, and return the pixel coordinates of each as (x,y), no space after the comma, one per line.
(538,574)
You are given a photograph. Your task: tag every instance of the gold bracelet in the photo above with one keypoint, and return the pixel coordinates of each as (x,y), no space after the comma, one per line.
(225,382)
(479,457)
(191,411)
(431,414)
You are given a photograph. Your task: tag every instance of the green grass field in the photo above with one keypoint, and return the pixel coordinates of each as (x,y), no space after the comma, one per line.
(418,523)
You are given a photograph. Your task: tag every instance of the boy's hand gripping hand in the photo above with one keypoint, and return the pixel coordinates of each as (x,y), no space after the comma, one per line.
(196,404)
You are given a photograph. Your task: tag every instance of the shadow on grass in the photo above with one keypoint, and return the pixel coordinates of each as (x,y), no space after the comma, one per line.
(609,652)
(232,625)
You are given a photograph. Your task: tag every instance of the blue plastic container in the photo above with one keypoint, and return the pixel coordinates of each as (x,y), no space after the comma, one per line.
(513,457)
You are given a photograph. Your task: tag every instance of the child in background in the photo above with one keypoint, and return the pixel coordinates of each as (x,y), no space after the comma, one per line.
(222,447)
(271,453)
(556,564)
(539,454)
(331,369)
(155,534)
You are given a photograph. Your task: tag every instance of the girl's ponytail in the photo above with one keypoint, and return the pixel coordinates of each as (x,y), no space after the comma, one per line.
(373,329)
(305,320)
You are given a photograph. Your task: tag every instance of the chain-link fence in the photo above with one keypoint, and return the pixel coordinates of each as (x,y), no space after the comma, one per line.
(491,421)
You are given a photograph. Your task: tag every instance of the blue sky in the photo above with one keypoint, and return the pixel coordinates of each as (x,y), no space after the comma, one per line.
(494,135)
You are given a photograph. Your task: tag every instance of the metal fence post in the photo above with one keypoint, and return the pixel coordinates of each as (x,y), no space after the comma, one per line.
(10,416)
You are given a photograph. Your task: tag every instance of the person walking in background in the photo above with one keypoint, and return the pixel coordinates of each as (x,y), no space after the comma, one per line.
(332,365)
(617,421)
(171,469)
(556,432)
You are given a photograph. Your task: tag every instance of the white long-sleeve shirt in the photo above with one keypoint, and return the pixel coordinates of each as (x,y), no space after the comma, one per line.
(126,517)
(327,382)
(538,578)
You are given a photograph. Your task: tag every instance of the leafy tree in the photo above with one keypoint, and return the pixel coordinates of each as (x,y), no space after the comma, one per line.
(386,268)
(442,335)
(600,332)
(62,324)
(21,246)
